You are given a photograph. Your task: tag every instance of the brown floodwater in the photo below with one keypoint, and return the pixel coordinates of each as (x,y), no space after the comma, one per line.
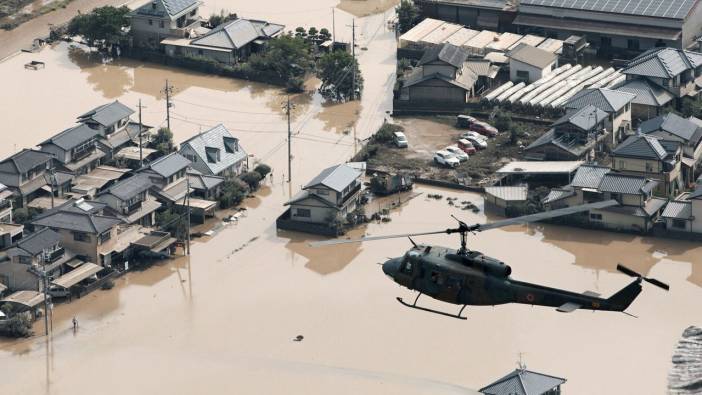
(223,319)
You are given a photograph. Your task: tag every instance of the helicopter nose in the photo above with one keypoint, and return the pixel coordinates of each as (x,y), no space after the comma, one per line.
(391,267)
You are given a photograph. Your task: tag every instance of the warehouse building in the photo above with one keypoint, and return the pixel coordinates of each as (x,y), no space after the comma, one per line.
(483,14)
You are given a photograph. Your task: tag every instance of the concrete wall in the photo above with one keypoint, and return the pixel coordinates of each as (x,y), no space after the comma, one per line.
(697,213)
(60,154)
(617,221)
(437,91)
(535,73)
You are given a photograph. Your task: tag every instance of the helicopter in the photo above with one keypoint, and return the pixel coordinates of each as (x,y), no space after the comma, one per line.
(470,278)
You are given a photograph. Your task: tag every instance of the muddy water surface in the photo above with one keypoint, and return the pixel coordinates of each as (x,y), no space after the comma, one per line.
(223,320)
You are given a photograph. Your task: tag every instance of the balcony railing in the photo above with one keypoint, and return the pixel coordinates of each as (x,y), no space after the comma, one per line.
(132,208)
(82,154)
(54,256)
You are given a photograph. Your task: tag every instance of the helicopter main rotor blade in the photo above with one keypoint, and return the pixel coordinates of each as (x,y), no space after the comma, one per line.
(546,215)
(372,238)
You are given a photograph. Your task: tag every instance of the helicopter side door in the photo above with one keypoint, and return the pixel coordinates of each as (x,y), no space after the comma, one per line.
(450,287)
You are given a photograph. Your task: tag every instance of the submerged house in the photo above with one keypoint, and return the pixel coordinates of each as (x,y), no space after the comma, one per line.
(29,174)
(227,43)
(676,71)
(685,215)
(616,104)
(525,382)
(325,203)
(131,200)
(114,126)
(76,148)
(215,152)
(159,19)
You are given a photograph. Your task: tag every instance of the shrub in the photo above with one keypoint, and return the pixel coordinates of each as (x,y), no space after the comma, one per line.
(386,133)
(23,215)
(233,193)
(107,285)
(252,179)
(262,169)
(19,325)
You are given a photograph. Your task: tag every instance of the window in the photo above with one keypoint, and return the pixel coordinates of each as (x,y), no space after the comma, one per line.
(596,217)
(231,145)
(80,236)
(160,24)
(407,267)
(151,22)
(633,44)
(523,75)
(679,224)
(606,42)
(212,154)
(105,236)
(193,12)
(649,167)
(303,212)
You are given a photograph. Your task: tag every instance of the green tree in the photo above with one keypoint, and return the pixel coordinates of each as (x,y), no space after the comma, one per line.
(287,56)
(233,192)
(101,26)
(218,19)
(335,71)
(172,222)
(300,32)
(407,15)
(313,34)
(324,35)
(18,325)
(262,169)
(503,123)
(252,179)
(163,142)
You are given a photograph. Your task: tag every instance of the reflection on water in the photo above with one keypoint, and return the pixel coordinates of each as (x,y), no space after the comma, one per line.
(320,260)
(112,81)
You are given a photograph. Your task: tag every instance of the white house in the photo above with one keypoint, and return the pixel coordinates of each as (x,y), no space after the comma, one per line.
(528,63)
(215,152)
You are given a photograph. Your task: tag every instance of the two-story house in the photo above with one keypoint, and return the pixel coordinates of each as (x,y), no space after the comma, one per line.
(688,132)
(159,19)
(27,172)
(215,152)
(328,199)
(653,158)
(40,252)
(87,230)
(131,200)
(685,215)
(114,126)
(75,148)
(637,211)
(616,104)
(677,71)
(575,136)
(442,76)
(528,63)
(168,174)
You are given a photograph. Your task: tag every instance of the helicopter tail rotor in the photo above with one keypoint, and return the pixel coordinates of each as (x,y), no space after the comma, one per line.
(649,280)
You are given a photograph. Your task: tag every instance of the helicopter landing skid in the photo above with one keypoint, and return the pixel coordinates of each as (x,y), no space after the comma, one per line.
(414,306)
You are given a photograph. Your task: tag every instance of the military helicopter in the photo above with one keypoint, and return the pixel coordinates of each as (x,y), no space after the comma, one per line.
(467,277)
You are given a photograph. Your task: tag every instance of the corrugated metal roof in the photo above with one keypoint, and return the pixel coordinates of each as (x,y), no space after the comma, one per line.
(448,53)
(336,177)
(523,382)
(646,92)
(589,176)
(511,193)
(77,275)
(107,114)
(219,138)
(532,56)
(618,183)
(664,62)
(641,146)
(606,100)
(678,210)
(675,9)
(674,124)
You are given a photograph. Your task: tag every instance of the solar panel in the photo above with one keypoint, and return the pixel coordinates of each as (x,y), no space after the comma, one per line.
(676,9)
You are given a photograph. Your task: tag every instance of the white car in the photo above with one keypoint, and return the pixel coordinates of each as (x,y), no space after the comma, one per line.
(475,135)
(445,158)
(477,143)
(458,153)
(400,140)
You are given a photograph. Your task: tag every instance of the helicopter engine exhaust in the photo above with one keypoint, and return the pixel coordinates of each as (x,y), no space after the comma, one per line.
(497,268)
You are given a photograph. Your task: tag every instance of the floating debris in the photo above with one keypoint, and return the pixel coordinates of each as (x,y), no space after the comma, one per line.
(685,377)
(298,338)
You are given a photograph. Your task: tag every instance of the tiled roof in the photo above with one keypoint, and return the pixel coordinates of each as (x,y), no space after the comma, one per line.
(72,137)
(678,210)
(641,146)
(231,152)
(448,53)
(607,100)
(646,93)
(24,161)
(557,194)
(674,124)
(130,187)
(589,176)
(237,33)
(38,241)
(107,114)
(532,56)
(76,216)
(617,183)
(466,80)
(168,165)
(663,62)
(523,382)
(203,182)
(573,146)
(585,118)
(336,177)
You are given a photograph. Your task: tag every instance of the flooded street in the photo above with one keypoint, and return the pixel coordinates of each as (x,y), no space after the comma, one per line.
(223,319)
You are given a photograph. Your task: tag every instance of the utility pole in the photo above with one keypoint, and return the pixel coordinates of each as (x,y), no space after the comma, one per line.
(287,111)
(353,60)
(52,180)
(168,91)
(141,130)
(46,301)
(187,195)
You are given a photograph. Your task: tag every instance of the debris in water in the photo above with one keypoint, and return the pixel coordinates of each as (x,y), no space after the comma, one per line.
(298,338)
(686,375)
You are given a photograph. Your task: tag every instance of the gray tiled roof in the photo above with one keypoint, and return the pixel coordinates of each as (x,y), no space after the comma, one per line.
(72,137)
(237,33)
(674,124)
(130,187)
(557,194)
(77,217)
(663,62)
(589,176)
(533,56)
(466,80)
(646,93)
(523,382)
(678,210)
(24,161)
(336,177)
(203,182)
(575,147)
(107,114)
(607,100)
(38,241)
(219,138)
(448,53)
(172,7)
(618,183)
(641,146)
(168,165)
(585,118)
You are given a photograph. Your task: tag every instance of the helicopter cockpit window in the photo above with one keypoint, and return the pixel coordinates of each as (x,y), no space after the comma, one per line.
(407,267)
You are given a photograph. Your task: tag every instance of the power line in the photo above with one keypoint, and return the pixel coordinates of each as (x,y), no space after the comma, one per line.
(226,109)
(230,128)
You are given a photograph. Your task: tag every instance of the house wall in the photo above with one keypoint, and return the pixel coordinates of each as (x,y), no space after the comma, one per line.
(440,68)
(437,91)
(17,277)
(149,34)
(318,214)
(697,214)
(617,221)
(692,26)
(220,56)
(669,225)
(535,73)
(621,118)
(641,112)
(87,248)
(638,167)
(61,155)
(688,150)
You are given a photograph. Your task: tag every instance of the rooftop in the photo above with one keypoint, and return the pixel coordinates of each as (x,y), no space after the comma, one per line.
(72,137)
(632,185)
(532,56)
(646,92)
(663,62)
(643,146)
(130,187)
(336,177)
(537,167)
(523,382)
(589,176)
(168,165)
(673,9)
(448,53)
(228,150)
(237,33)
(678,210)
(25,298)
(511,193)
(586,118)
(38,241)
(607,100)
(107,114)
(171,8)
(24,161)
(77,215)
(686,129)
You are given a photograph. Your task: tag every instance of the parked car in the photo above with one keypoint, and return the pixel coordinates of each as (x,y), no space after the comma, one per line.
(466,146)
(476,135)
(445,158)
(477,143)
(462,156)
(484,128)
(463,121)
(400,140)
